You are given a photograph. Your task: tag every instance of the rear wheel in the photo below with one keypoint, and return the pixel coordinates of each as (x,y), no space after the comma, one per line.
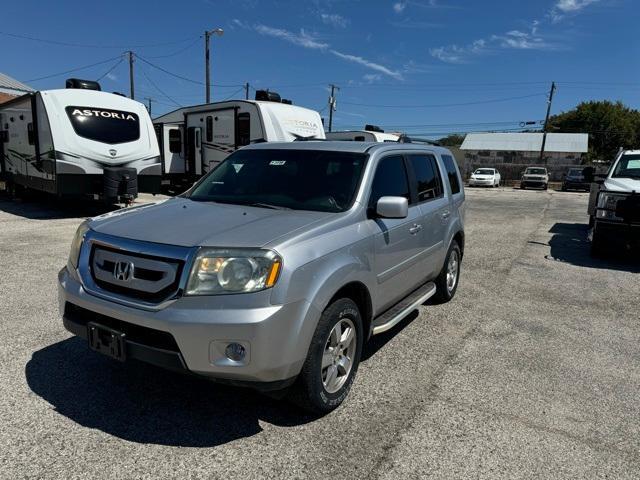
(447,280)
(332,360)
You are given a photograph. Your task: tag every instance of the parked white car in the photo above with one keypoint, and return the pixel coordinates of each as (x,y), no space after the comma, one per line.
(485,177)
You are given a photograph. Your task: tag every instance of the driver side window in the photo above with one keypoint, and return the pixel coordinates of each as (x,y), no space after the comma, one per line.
(390,180)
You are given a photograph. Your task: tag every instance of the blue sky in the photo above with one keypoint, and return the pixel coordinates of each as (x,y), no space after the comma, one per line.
(424,66)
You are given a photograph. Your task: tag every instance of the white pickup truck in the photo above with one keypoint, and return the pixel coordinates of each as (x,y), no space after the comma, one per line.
(614,204)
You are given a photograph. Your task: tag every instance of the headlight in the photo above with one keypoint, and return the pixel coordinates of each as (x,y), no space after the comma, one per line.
(218,271)
(608,201)
(76,244)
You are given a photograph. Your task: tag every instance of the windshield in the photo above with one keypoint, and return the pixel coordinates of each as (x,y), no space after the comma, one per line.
(323,181)
(575,172)
(628,166)
(536,171)
(484,171)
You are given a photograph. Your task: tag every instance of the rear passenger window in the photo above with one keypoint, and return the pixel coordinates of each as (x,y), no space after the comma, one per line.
(427,177)
(452,173)
(390,180)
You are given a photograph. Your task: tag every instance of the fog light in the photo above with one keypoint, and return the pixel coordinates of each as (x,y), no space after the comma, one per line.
(235,352)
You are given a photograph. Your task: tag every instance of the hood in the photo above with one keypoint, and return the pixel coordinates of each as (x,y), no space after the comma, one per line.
(622,184)
(186,223)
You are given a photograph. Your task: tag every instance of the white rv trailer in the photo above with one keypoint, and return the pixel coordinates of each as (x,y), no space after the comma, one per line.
(79,141)
(371,133)
(195,139)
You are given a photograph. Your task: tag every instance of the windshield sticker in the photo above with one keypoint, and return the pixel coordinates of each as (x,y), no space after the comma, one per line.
(277,163)
(237,166)
(633,165)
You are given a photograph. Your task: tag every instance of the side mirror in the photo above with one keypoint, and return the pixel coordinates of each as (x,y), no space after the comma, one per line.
(392,207)
(589,174)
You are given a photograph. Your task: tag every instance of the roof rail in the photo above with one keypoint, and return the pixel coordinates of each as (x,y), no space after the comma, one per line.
(407,139)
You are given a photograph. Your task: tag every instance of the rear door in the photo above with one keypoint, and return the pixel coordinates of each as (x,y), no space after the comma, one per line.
(397,240)
(173,149)
(194,151)
(434,208)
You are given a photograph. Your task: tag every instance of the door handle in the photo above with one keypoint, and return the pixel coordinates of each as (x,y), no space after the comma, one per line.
(446,214)
(415,229)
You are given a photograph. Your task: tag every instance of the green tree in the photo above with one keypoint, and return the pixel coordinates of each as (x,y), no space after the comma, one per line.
(453,140)
(610,125)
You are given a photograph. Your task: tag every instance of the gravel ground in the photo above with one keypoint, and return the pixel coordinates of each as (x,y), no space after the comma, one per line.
(532,371)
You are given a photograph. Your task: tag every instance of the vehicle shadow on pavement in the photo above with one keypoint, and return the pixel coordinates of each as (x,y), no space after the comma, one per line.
(50,208)
(569,244)
(144,404)
(377,342)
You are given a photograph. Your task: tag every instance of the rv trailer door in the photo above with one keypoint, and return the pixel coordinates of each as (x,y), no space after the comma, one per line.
(194,151)
(219,136)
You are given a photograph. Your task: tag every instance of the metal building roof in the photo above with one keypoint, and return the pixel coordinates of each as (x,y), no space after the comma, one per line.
(8,83)
(527,142)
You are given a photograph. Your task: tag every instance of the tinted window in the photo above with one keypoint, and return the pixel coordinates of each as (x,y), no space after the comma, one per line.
(244,129)
(209,132)
(452,173)
(175,141)
(102,125)
(390,180)
(426,176)
(30,135)
(295,179)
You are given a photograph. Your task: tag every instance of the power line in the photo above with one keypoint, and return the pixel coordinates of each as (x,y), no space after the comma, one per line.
(153,84)
(109,71)
(463,104)
(83,45)
(233,94)
(197,82)
(75,69)
(179,51)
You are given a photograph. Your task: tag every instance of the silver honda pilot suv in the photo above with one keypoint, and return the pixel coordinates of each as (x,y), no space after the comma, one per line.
(275,268)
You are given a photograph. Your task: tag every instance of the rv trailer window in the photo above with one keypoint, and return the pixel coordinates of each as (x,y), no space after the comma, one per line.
(30,135)
(175,141)
(244,129)
(104,125)
(209,131)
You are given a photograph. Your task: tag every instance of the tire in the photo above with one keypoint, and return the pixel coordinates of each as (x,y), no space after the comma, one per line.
(314,391)
(445,291)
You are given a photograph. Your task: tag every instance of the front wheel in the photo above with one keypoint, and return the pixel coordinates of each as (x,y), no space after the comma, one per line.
(333,358)
(447,280)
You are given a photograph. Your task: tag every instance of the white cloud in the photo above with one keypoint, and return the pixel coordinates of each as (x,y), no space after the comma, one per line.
(399,7)
(369,64)
(335,20)
(302,39)
(562,8)
(372,77)
(112,77)
(512,40)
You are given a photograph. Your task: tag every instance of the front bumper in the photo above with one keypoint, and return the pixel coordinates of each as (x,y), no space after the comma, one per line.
(481,183)
(619,234)
(191,333)
(534,183)
(569,185)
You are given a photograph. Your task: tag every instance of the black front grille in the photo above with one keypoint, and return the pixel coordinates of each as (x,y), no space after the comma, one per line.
(135,333)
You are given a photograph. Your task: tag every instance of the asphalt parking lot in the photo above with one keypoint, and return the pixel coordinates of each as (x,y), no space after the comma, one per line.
(532,371)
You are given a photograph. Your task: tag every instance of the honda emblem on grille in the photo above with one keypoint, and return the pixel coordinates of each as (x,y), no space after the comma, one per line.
(123,271)
(113,152)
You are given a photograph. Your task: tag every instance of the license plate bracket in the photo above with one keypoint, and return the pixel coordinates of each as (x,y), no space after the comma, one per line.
(107,341)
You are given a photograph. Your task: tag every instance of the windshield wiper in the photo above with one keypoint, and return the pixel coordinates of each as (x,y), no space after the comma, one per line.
(268,205)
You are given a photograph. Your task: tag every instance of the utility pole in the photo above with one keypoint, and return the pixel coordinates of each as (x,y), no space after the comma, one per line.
(546,120)
(131,92)
(332,104)
(207,76)
(246,91)
(148,99)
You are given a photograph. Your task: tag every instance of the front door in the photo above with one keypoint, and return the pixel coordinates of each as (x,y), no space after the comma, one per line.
(219,136)
(397,241)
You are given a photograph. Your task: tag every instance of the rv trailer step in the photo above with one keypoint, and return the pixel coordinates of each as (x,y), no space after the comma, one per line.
(391,317)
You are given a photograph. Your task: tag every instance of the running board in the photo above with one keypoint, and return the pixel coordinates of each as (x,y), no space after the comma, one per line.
(392,317)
